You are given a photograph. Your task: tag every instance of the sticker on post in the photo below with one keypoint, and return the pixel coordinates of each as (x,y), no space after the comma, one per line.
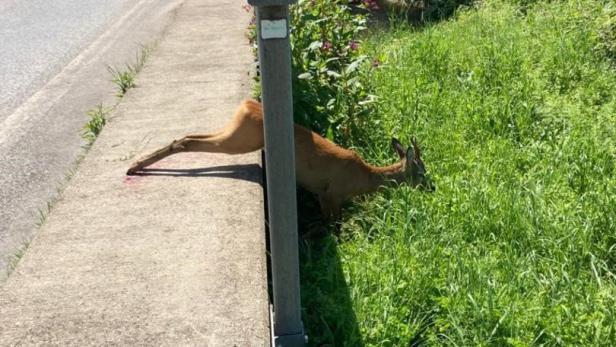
(273,29)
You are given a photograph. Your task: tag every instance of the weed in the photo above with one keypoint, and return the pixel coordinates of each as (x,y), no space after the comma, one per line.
(125,79)
(98,119)
(16,257)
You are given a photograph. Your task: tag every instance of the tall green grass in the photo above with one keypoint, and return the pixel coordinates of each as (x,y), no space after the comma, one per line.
(516,113)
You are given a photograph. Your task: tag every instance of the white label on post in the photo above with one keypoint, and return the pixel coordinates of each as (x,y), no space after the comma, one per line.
(273,29)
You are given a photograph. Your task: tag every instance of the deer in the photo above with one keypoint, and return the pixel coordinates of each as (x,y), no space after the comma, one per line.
(333,173)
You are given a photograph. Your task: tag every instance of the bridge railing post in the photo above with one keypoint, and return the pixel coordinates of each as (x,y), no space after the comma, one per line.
(277,100)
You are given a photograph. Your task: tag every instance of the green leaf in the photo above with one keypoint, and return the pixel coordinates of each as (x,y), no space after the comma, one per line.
(330,134)
(370,99)
(333,74)
(355,64)
(315,45)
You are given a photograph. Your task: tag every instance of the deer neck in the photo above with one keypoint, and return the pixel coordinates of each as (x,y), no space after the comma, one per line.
(378,177)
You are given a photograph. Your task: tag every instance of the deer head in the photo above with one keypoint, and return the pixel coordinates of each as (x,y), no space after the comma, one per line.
(412,165)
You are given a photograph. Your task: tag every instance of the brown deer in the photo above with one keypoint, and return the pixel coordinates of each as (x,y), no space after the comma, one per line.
(333,173)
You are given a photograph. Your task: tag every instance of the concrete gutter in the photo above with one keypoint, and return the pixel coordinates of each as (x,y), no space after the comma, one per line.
(173,258)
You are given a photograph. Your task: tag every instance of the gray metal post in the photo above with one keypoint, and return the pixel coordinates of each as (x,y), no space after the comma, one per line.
(277,97)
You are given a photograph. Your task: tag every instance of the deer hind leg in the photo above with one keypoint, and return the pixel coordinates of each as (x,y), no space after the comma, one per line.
(229,142)
(191,143)
(204,136)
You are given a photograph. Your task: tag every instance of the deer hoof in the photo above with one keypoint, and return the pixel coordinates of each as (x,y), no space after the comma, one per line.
(132,170)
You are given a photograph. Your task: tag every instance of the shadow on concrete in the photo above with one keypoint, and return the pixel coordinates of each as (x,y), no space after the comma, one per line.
(246,172)
(327,307)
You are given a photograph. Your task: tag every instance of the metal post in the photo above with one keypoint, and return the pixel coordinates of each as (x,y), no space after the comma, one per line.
(277,97)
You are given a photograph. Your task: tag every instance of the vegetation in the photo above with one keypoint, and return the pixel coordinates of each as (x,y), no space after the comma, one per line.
(125,79)
(514,103)
(329,95)
(98,119)
(14,259)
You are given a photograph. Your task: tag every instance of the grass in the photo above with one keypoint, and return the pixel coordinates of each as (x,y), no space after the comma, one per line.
(98,119)
(516,113)
(16,257)
(125,79)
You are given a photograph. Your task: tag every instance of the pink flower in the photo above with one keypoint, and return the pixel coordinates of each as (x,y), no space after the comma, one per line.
(326,46)
(353,45)
(372,5)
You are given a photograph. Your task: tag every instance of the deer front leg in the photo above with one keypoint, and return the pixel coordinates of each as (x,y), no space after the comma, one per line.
(330,207)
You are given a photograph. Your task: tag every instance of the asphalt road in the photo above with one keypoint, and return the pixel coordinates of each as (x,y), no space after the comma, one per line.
(39,37)
(53,59)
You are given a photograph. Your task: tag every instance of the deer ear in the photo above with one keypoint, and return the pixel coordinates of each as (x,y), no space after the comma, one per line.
(410,155)
(398,147)
(416,150)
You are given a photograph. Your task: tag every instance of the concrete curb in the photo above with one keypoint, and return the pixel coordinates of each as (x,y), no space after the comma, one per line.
(173,258)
